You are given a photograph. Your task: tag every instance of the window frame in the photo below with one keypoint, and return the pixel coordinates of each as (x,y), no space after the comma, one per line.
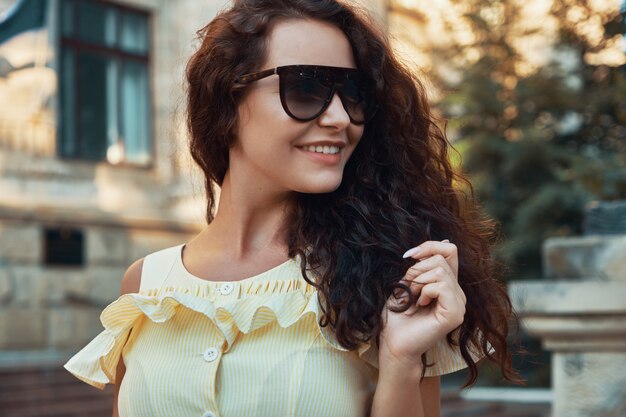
(77,46)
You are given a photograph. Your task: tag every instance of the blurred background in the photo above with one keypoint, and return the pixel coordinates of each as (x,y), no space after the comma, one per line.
(94,174)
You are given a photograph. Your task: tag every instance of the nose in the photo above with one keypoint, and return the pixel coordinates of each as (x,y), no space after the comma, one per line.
(335,114)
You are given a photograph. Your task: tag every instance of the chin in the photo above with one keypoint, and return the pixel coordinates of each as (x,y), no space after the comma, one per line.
(320,187)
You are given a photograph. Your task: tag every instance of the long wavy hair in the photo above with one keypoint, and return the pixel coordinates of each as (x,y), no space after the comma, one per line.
(398,188)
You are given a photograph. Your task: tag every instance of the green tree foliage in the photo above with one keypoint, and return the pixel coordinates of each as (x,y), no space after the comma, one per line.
(540,143)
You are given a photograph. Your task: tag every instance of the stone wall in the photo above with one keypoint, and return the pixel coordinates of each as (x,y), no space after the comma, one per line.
(45,307)
(124,212)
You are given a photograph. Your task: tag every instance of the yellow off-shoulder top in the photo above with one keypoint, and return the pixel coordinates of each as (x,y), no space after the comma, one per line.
(198,348)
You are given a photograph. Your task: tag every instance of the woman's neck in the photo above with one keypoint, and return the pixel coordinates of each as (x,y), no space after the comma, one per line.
(249,222)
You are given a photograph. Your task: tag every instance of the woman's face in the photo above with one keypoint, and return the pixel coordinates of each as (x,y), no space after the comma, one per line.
(269,143)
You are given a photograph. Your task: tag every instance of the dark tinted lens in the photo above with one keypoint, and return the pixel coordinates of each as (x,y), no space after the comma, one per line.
(354,97)
(305,94)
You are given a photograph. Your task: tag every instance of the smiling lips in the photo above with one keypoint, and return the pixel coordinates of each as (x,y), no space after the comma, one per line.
(322,149)
(328,155)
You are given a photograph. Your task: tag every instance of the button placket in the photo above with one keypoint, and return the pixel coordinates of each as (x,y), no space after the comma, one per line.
(212,356)
(222,293)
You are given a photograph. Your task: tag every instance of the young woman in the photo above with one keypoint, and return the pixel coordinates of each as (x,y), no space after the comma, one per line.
(300,298)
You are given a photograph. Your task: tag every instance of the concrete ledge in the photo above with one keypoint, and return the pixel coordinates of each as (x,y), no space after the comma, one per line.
(575,325)
(521,395)
(568,297)
(93,216)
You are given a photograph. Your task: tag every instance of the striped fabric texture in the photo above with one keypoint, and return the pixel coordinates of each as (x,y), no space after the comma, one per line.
(198,348)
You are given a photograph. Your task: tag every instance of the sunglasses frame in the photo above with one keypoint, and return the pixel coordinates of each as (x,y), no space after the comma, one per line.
(336,73)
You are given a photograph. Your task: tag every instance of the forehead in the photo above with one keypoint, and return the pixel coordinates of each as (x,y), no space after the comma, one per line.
(308,42)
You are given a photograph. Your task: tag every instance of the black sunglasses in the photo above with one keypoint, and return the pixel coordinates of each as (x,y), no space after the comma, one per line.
(307,90)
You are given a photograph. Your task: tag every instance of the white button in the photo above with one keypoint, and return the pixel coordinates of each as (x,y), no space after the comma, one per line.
(209,414)
(211,354)
(226,288)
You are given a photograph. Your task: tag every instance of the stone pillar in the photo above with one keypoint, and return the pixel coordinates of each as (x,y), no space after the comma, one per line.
(579,313)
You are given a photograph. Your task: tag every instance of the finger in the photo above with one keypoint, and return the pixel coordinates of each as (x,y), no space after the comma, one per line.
(434,262)
(431,247)
(443,294)
(433,291)
(447,308)
(439,275)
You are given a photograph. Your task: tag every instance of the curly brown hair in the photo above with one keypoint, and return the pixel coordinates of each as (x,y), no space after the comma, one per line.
(397,190)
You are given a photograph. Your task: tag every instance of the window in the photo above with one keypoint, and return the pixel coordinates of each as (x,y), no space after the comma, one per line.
(105,89)
(64,247)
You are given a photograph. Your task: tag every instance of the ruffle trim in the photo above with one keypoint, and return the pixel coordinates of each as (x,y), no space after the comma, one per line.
(282,301)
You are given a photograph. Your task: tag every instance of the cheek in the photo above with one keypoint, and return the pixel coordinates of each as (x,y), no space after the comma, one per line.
(264,127)
(355,133)
(267,116)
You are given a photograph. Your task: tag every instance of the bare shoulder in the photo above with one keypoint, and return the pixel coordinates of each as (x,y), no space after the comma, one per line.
(132,277)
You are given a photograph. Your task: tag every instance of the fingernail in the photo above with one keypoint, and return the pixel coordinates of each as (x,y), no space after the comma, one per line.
(411,252)
(445,241)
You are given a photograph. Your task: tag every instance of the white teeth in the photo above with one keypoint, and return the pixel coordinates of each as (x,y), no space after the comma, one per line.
(322,149)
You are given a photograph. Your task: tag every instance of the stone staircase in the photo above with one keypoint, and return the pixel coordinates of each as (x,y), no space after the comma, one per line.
(54,392)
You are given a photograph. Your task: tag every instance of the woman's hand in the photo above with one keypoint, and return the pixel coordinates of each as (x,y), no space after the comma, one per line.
(440,306)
